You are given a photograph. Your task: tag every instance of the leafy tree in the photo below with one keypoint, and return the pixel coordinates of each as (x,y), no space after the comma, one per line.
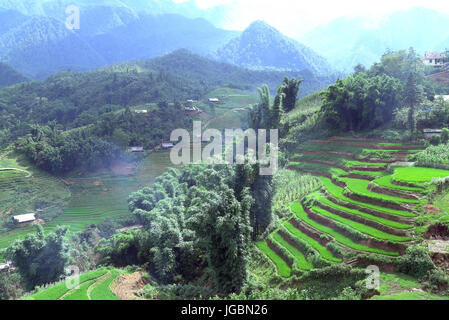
(361,102)
(40,258)
(222,224)
(290,89)
(413,95)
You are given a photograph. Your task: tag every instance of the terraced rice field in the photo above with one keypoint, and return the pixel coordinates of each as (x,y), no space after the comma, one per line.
(360,206)
(95,285)
(92,199)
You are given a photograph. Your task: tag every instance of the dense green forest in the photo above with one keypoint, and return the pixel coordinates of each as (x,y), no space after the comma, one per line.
(9,76)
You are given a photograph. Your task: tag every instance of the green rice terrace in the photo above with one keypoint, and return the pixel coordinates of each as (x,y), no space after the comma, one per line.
(76,202)
(95,285)
(366,200)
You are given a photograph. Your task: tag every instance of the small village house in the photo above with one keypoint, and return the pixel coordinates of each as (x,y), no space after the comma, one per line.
(435,59)
(136,149)
(167,145)
(191,110)
(6,266)
(428,133)
(214,100)
(141,111)
(25,218)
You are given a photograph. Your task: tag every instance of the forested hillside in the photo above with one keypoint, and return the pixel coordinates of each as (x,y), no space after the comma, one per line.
(37,42)
(9,76)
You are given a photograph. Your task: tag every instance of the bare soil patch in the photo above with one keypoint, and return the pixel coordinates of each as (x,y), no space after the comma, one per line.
(128,286)
(428,208)
(437,232)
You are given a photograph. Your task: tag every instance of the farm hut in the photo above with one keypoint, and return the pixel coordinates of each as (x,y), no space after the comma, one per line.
(191,110)
(167,145)
(141,111)
(6,266)
(135,227)
(214,100)
(428,133)
(25,218)
(137,149)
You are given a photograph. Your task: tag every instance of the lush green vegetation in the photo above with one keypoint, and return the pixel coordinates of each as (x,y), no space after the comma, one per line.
(394,224)
(103,291)
(360,187)
(434,157)
(281,266)
(323,251)
(57,291)
(361,227)
(418,176)
(338,193)
(302,215)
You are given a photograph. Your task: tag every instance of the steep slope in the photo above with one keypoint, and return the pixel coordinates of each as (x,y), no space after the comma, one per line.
(149,36)
(262,46)
(345,42)
(9,76)
(42,46)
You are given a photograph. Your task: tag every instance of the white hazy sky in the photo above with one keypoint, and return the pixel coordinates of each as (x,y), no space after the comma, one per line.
(295,17)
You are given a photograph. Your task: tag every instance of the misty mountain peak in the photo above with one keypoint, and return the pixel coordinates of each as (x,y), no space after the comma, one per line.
(261,46)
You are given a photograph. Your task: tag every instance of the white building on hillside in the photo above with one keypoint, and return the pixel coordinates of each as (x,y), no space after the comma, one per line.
(435,59)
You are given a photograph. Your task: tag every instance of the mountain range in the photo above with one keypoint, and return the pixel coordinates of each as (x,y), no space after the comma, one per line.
(35,41)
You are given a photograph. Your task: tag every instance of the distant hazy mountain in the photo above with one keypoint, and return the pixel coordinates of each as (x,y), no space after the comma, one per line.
(262,46)
(345,42)
(150,36)
(40,44)
(56,8)
(9,76)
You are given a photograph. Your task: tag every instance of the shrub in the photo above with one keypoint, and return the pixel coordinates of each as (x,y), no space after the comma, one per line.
(435,140)
(416,262)
(445,135)
(436,281)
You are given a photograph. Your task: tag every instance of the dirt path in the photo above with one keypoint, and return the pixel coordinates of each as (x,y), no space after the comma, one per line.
(15,169)
(127,286)
(99,281)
